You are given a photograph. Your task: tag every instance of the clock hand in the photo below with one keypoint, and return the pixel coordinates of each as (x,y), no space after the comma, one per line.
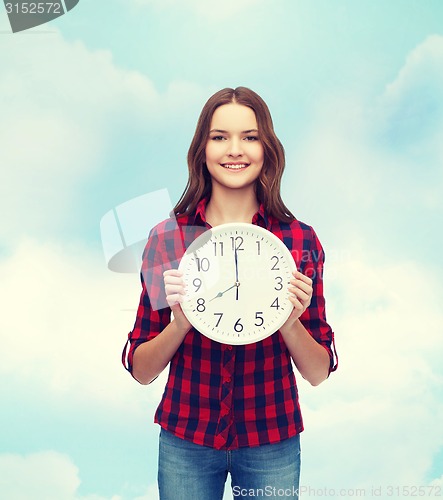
(220,294)
(237,283)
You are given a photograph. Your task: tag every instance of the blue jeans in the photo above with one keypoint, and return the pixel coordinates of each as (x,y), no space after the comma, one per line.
(190,471)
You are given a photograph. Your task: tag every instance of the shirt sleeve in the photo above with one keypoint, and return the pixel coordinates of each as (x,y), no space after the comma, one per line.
(153,313)
(314,317)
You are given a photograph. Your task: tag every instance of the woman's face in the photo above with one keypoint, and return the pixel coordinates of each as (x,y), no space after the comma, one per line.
(234,152)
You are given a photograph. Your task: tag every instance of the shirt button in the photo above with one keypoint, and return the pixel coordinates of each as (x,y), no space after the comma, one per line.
(225,413)
(227,380)
(229,347)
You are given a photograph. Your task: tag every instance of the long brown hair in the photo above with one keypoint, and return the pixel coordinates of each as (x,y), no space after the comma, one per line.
(268,184)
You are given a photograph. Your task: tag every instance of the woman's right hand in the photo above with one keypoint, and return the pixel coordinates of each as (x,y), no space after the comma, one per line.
(175,290)
(152,357)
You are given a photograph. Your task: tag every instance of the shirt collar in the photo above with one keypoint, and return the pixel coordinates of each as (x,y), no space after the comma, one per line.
(200,212)
(260,218)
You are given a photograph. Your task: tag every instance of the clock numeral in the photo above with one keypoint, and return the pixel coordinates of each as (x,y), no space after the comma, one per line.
(201,305)
(274,267)
(259,317)
(219,319)
(258,247)
(197,282)
(220,247)
(238,327)
(202,264)
(237,243)
(276,304)
(279,284)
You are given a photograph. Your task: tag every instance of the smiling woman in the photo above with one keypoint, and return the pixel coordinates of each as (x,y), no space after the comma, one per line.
(256,115)
(229,407)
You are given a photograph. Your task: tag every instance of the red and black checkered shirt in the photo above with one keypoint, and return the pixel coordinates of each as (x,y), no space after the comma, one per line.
(219,395)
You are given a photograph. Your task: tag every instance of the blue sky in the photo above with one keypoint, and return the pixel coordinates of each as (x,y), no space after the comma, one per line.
(98,107)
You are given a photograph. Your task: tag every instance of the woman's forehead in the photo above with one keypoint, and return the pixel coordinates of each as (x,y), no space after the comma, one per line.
(234,117)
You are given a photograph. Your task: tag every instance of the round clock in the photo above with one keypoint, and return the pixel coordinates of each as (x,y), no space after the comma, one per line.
(236,280)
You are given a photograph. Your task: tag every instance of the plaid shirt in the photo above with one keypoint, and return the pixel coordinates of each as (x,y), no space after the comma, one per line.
(218,395)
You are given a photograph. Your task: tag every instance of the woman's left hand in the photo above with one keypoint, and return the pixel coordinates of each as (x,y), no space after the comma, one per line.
(300,295)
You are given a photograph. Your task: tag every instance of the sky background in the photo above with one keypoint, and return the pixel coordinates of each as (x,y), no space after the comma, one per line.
(99,106)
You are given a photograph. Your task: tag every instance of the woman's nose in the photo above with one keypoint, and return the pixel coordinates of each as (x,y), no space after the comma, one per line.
(235,147)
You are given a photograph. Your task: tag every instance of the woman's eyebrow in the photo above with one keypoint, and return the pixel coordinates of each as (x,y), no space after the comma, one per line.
(226,132)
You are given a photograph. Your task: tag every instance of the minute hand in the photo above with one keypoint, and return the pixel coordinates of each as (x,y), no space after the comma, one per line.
(237,283)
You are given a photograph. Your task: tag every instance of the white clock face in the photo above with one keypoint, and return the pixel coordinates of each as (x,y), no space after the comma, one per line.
(236,278)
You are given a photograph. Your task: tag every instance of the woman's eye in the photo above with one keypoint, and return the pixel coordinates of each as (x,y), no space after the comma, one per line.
(251,138)
(217,138)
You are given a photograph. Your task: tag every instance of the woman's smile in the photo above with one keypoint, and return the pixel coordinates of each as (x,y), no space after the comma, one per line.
(235,166)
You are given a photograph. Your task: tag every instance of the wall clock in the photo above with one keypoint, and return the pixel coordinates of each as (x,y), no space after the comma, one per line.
(236,279)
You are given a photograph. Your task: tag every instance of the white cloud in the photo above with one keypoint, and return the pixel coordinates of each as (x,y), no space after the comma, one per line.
(423,70)
(46,475)
(151,493)
(332,169)
(375,421)
(375,163)
(62,107)
(409,116)
(410,110)
(438,484)
(63,325)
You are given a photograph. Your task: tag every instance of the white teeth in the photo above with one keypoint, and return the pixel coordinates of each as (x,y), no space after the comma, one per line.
(234,167)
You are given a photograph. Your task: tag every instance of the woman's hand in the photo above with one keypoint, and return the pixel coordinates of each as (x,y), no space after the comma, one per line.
(175,290)
(151,358)
(300,295)
(310,358)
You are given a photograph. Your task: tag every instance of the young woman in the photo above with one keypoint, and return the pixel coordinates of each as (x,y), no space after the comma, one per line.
(230,409)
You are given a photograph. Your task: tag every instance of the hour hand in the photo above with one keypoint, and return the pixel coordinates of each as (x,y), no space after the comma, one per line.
(220,294)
